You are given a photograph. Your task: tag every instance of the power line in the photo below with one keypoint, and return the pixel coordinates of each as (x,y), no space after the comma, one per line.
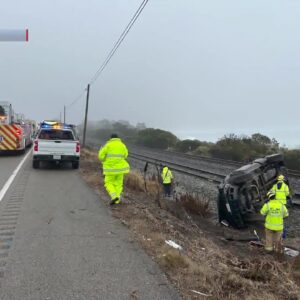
(111,53)
(76,99)
(119,41)
(113,50)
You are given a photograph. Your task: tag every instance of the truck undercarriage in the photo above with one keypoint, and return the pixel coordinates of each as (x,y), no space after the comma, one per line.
(244,191)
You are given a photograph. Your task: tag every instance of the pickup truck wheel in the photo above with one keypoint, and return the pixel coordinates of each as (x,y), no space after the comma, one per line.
(75,165)
(35,164)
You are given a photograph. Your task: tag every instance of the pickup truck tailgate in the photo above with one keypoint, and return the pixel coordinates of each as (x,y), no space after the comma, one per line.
(60,147)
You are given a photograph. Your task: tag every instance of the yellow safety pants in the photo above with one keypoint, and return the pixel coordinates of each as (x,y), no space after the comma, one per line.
(273,240)
(114,185)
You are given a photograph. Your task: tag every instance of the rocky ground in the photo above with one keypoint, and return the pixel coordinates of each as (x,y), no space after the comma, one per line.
(213,263)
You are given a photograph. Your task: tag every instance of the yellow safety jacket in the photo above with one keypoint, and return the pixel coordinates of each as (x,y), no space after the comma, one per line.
(282,193)
(166,175)
(113,157)
(275,211)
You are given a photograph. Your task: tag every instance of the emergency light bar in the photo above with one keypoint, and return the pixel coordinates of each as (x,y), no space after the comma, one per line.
(55,125)
(14,35)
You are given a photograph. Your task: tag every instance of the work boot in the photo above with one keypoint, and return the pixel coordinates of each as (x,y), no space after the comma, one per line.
(114,201)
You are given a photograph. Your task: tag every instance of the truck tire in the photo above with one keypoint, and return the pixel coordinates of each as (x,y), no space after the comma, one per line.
(234,218)
(75,165)
(36,164)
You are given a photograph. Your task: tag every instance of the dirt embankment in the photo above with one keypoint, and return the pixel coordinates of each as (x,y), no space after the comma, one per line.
(208,266)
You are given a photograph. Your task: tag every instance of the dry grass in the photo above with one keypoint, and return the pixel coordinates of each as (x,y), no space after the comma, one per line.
(202,265)
(194,204)
(172,259)
(134,182)
(296,270)
(89,154)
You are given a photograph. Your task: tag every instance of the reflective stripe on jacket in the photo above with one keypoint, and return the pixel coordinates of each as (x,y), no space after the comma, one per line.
(113,157)
(166,175)
(282,193)
(274,211)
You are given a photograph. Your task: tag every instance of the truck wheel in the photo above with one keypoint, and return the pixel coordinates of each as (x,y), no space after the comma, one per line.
(75,165)
(35,164)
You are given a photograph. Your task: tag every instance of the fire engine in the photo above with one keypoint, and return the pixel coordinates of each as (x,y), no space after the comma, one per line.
(15,132)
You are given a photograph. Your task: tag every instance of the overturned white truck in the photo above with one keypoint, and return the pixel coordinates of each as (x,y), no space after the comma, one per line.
(243,192)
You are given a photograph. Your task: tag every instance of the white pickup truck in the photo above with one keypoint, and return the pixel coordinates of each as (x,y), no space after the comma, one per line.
(58,144)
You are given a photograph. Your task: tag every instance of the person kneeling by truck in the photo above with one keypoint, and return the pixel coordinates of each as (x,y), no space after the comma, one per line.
(275,212)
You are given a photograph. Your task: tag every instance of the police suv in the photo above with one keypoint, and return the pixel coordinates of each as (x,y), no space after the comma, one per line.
(56,142)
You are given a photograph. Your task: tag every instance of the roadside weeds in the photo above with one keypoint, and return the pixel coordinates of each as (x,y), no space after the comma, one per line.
(202,269)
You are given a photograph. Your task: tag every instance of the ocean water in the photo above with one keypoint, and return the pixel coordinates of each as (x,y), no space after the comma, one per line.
(288,137)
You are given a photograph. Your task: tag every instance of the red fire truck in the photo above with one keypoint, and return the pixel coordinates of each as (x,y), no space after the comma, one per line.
(15,132)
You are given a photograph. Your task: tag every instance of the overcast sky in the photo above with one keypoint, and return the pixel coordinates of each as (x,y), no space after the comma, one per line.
(199,68)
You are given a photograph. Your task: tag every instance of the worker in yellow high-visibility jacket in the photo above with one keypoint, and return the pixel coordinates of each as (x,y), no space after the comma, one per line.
(281,189)
(167,177)
(275,211)
(113,157)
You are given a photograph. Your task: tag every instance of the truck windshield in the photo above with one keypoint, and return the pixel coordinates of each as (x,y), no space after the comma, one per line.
(54,134)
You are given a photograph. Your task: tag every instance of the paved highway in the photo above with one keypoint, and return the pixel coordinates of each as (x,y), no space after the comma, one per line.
(7,166)
(58,241)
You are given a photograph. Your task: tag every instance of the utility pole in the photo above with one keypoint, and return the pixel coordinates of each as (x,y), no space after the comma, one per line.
(64,114)
(86,114)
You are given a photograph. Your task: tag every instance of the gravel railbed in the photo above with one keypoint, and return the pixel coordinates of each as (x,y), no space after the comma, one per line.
(186,183)
(183,183)
(220,168)
(192,162)
(202,164)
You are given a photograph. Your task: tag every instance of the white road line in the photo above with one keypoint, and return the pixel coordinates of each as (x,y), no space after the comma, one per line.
(12,177)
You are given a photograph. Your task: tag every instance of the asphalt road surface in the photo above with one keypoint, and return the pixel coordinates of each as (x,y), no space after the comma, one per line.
(58,241)
(7,166)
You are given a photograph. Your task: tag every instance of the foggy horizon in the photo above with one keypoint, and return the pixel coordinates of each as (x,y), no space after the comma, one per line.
(198,69)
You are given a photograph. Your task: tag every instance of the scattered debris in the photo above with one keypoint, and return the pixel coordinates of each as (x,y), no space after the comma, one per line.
(291,252)
(225,223)
(173,244)
(134,294)
(287,250)
(199,293)
(254,231)
(124,222)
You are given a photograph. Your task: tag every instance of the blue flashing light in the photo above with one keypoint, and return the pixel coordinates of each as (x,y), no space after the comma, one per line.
(55,125)
(46,126)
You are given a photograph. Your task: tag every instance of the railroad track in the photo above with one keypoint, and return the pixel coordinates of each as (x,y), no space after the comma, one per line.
(184,169)
(212,177)
(294,173)
(222,162)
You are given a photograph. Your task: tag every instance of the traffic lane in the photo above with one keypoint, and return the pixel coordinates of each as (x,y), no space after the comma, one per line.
(68,246)
(8,163)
